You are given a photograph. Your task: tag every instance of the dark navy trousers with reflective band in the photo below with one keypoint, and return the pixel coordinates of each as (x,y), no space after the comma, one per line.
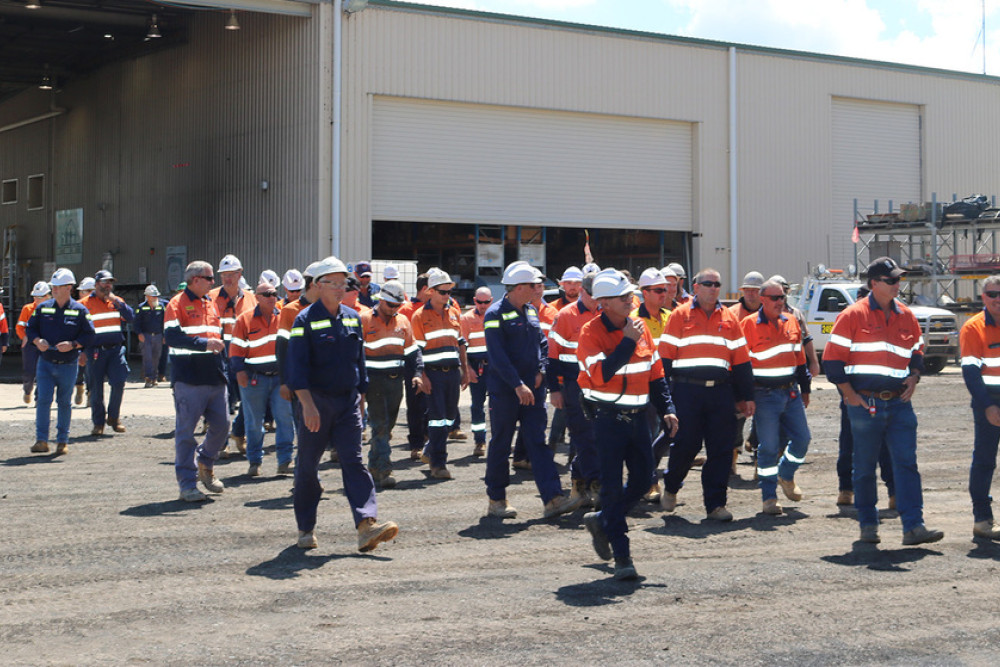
(506,412)
(477,411)
(984,462)
(110,363)
(442,407)
(340,424)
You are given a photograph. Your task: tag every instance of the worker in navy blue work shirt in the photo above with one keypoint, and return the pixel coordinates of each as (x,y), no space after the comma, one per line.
(59,328)
(517,351)
(148,325)
(326,370)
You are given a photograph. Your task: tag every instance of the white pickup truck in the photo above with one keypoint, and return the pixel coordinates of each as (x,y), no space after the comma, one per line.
(821,300)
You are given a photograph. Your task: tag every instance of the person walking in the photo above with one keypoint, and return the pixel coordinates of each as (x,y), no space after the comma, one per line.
(29,353)
(149,327)
(106,352)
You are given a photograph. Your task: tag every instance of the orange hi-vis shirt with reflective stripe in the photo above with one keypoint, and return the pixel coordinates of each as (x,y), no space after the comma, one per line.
(438,334)
(703,347)
(228,314)
(629,387)
(472,331)
(565,334)
(387,344)
(287,317)
(980,344)
(254,341)
(741,311)
(106,318)
(775,348)
(546,315)
(22,321)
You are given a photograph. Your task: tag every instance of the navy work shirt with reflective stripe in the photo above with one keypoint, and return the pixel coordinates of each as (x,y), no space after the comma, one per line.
(55,324)
(516,348)
(327,352)
(149,319)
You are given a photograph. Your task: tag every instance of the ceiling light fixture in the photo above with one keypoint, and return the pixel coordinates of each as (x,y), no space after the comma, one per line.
(46,83)
(232,23)
(154,30)
(33,4)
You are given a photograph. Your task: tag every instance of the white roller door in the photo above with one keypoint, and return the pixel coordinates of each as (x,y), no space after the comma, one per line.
(876,155)
(445,162)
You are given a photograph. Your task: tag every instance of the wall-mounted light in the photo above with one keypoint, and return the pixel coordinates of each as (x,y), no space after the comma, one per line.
(46,83)
(264,185)
(232,23)
(352,6)
(154,29)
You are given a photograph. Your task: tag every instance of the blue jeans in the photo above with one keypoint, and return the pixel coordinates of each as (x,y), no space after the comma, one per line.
(894,421)
(845,458)
(779,412)
(110,363)
(58,377)
(256,399)
(984,461)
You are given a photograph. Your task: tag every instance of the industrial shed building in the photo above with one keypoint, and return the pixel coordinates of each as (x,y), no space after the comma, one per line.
(401,131)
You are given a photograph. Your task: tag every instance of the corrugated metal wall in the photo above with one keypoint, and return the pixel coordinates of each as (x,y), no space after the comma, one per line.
(171,149)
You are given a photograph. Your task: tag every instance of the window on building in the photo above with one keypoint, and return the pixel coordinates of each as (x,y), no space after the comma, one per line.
(36,192)
(8,192)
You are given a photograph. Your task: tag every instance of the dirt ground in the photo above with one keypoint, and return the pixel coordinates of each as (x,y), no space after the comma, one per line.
(101,564)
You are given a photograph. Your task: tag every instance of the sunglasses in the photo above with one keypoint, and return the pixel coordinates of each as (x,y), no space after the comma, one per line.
(655,290)
(710,283)
(774,297)
(991,294)
(483,302)
(390,304)
(889,281)
(210,279)
(445,292)
(267,294)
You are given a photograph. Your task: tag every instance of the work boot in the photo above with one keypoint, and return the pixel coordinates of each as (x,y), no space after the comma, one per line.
(62,448)
(40,447)
(790,488)
(479,449)
(162,378)
(732,468)
(501,509)
(97,430)
(578,493)
(457,434)
(720,514)
(892,502)
(625,570)
(27,398)
(383,479)
(986,529)
(192,496)
(424,458)
(595,494)
(772,507)
(592,520)
(78,398)
(522,465)
(845,498)
(668,501)
(653,495)
(253,470)
(116,426)
(699,461)
(334,456)
(287,468)
(307,540)
(561,504)
(241,444)
(921,535)
(869,534)
(370,534)
(415,454)
(441,473)
(269,427)
(207,477)
(149,383)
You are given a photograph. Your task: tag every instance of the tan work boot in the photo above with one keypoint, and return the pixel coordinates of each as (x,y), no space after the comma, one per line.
(578,493)
(653,495)
(699,460)
(772,507)
(720,514)
(522,465)
(241,444)
(370,534)
(479,449)
(790,488)
(40,447)
(62,449)
(892,502)
(986,529)
(561,504)
(441,473)
(736,457)
(116,426)
(501,509)
(668,501)
(457,434)
(307,540)
(97,430)
(845,498)
(78,398)
(27,398)
(207,477)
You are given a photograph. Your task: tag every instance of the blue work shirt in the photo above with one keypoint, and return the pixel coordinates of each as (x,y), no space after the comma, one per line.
(516,348)
(326,352)
(149,319)
(55,324)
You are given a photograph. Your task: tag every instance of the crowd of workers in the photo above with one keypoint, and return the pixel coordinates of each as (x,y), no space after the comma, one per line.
(642,375)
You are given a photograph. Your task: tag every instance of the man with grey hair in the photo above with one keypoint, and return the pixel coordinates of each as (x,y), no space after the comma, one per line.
(192,329)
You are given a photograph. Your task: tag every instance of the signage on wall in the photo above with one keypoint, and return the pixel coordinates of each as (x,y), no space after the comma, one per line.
(176,263)
(69,236)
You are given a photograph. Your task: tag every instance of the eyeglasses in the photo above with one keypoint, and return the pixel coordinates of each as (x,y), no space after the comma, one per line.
(710,283)
(445,292)
(774,297)
(889,281)
(332,284)
(269,295)
(626,297)
(991,294)
(483,303)
(655,290)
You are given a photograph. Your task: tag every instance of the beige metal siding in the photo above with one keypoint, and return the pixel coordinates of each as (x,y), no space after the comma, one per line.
(447,162)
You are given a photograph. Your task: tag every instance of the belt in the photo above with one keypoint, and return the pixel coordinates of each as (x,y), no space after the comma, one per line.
(384,374)
(108,346)
(700,383)
(618,411)
(884,395)
(787,385)
(267,374)
(56,361)
(443,369)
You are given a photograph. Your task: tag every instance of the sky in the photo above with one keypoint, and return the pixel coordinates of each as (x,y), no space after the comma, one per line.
(946,34)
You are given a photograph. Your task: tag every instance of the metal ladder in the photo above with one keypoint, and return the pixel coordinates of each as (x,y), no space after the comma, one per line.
(8,274)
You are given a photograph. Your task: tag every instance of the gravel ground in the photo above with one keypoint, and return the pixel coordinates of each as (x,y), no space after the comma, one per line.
(102,565)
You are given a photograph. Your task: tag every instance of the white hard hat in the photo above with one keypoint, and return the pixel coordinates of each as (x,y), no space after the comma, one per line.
(520,273)
(270,277)
(62,277)
(390,272)
(651,277)
(328,265)
(87,283)
(591,268)
(572,273)
(392,292)
(293,280)
(780,279)
(309,271)
(677,269)
(230,263)
(436,277)
(668,273)
(151,291)
(41,288)
(753,279)
(243,283)
(611,283)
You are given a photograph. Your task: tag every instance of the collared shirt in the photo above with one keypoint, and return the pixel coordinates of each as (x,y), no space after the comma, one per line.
(149,319)
(546,316)
(410,308)
(872,349)
(188,324)
(740,310)
(618,372)
(55,324)
(4,328)
(776,350)
(285,321)
(326,351)
(563,341)
(472,331)
(980,344)
(516,347)
(389,346)
(656,324)
(438,333)
(252,348)
(231,307)
(108,318)
(21,328)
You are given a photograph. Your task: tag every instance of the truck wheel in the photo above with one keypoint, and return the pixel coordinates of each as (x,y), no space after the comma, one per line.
(934,365)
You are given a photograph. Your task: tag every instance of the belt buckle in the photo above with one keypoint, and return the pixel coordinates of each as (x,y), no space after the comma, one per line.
(711,383)
(886,395)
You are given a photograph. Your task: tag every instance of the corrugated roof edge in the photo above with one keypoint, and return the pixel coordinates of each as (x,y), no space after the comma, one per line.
(691,41)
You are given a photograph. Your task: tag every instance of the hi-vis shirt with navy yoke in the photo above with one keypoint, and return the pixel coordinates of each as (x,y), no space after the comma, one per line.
(286,319)
(389,346)
(776,351)
(21,328)
(618,372)
(516,348)
(872,349)
(252,348)
(326,351)
(438,334)
(547,314)
(980,344)
(188,325)
(149,319)
(4,328)
(55,324)
(231,307)
(474,335)
(563,340)
(109,318)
